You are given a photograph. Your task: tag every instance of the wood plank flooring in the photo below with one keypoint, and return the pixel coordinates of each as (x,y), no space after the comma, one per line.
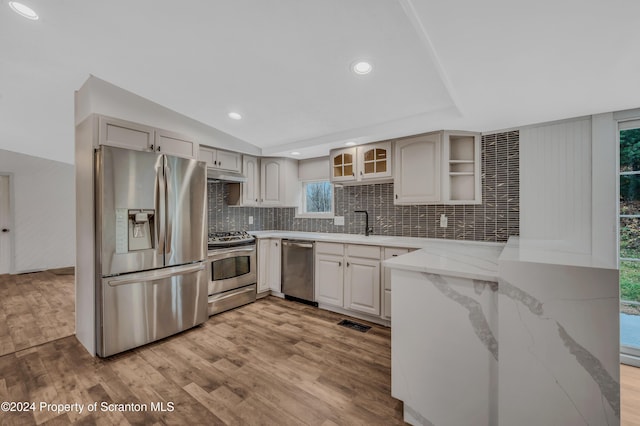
(271,362)
(630,395)
(35,308)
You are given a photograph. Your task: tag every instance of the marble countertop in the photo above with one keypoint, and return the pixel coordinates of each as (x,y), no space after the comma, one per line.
(465,259)
(477,262)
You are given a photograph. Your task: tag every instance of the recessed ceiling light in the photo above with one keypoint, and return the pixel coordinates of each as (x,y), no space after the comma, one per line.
(23,10)
(350,143)
(235,116)
(295,153)
(362,68)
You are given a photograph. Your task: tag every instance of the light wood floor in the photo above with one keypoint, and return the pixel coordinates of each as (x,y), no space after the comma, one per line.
(630,395)
(271,362)
(35,308)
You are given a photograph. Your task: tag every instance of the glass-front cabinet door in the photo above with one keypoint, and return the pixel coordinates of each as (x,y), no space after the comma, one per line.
(375,161)
(343,165)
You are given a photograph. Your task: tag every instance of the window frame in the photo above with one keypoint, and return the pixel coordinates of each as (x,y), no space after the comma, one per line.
(301,211)
(628,355)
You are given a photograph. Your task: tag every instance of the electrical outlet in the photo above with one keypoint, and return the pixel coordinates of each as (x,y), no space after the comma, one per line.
(250,220)
(444,221)
(338,220)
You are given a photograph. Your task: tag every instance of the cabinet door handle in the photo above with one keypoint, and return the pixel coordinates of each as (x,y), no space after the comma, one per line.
(158,148)
(153,147)
(394,255)
(256,200)
(348,264)
(339,264)
(361,173)
(396,196)
(219,163)
(353,174)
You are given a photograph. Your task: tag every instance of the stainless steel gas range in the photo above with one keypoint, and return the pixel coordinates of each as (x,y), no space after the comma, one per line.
(232,270)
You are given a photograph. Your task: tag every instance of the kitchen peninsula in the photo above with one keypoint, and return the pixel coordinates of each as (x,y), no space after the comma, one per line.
(532,341)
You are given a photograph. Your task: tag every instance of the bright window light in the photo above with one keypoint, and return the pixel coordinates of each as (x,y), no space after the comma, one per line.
(317,197)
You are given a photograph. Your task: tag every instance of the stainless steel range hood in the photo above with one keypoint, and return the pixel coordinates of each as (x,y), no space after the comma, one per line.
(216,175)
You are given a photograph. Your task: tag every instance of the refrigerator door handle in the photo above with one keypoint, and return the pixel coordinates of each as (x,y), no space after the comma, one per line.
(160,197)
(153,276)
(168,220)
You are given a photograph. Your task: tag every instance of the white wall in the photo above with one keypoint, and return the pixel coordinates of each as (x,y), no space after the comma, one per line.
(313,169)
(555,184)
(568,186)
(604,195)
(44,211)
(100,97)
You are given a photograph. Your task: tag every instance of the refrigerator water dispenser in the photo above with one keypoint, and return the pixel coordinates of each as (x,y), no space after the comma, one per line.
(141,226)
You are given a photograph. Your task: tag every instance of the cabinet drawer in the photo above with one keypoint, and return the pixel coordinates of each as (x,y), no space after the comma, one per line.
(330,248)
(390,252)
(367,252)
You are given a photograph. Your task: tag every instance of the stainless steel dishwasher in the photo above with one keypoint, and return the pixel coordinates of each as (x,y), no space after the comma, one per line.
(297,271)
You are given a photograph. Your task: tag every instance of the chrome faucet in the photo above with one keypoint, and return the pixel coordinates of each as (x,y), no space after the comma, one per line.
(367,230)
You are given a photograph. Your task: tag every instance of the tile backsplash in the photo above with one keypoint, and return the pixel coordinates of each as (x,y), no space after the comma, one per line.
(495,219)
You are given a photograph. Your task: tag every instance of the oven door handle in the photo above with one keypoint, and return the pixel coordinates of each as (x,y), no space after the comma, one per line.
(226,253)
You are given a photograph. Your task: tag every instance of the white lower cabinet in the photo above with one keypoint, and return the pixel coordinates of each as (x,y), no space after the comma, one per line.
(388,253)
(329,279)
(269,255)
(348,276)
(274,280)
(362,285)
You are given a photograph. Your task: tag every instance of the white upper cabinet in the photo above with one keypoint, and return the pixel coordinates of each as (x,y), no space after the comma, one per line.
(229,161)
(250,188)
(218,159)
(374,161)
(343,165)
(461,180)
(173,144)
(125,134)
(366,162)
(417,169)
(279,185)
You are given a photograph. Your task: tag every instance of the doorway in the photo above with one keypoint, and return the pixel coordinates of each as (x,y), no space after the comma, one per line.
(629,240)
(5,224)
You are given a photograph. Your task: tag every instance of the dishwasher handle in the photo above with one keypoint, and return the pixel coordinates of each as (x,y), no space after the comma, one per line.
(300,244)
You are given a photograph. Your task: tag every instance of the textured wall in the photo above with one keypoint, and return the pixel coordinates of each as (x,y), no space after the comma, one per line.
(494,220)
(223,217)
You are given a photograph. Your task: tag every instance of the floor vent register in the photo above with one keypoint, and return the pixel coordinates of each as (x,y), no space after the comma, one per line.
(354,325)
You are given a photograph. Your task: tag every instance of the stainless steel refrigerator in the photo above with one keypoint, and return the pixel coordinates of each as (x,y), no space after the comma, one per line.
(150,247)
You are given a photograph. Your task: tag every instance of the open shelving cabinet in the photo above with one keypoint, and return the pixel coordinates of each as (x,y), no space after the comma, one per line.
(461,174)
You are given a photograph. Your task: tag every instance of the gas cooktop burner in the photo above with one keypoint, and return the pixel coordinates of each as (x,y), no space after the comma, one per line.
(229,239)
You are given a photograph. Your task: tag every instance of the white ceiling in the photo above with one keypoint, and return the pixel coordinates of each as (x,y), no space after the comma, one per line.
(285,66)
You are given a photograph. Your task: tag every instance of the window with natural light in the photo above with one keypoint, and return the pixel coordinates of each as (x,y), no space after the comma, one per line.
(630,238)
(317,198)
